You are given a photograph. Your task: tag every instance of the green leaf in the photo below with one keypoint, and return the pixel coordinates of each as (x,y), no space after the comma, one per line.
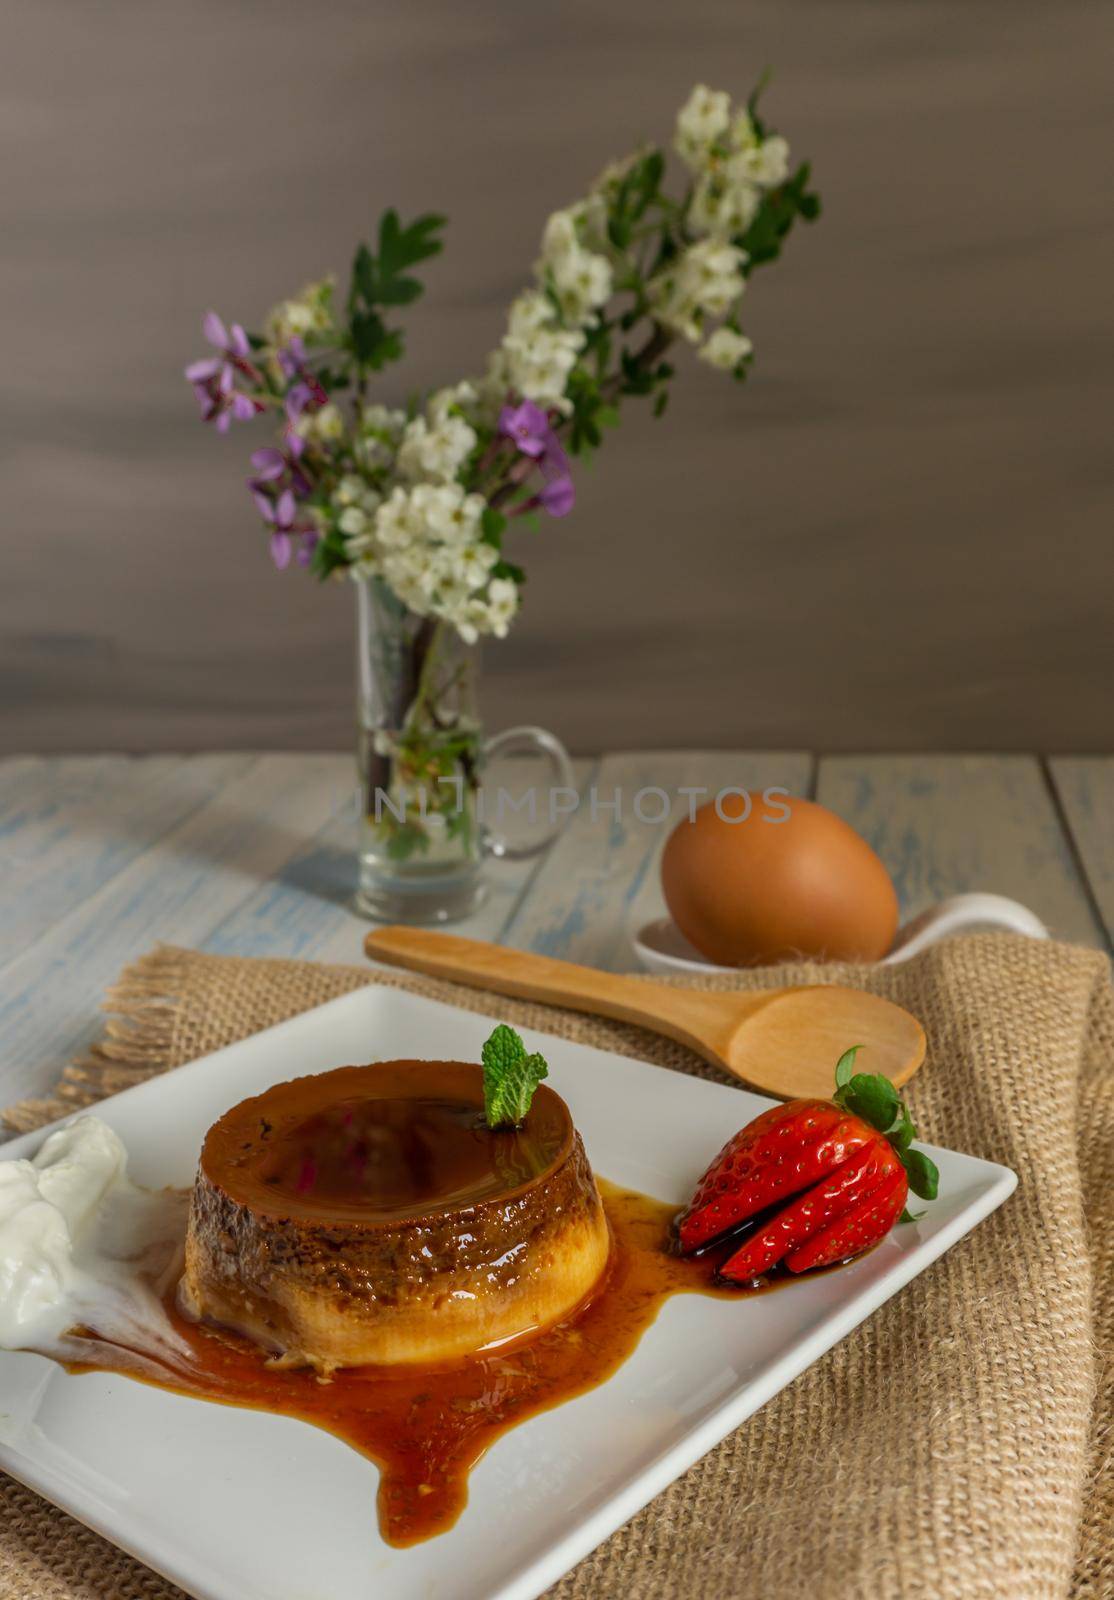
(406,838)
(902,1134)
(910,1216)
(923,1174)
(845,1066)
(511,1075)
(363,274)
(381,280)
(872,1097)
(389,348)
(492,525)
(401,247)
(400,291)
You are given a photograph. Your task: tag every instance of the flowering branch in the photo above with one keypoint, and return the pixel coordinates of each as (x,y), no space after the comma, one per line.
(421,499)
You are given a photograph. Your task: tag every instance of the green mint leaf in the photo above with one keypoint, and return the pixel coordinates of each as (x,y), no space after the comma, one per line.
(910,1216)
(923,1174)
(511,1075)
(845,1066)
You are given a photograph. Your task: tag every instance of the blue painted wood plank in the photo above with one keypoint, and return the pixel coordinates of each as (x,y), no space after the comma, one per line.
(948,825)
(306,911)
(69,825)
(181,890)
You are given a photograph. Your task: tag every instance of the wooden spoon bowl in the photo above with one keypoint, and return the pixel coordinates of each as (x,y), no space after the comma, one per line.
(784,1042)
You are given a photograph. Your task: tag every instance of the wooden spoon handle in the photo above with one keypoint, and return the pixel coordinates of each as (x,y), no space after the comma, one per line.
(687,1015)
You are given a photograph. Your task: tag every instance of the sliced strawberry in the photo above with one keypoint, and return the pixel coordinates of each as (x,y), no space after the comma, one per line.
(841,1191)
(786,1149)
(857,1229)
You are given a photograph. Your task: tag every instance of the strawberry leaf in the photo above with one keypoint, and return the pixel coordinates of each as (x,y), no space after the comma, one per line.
(871,1097)
(874,1099)
(511,1074)
(923,1174)
(845,1066)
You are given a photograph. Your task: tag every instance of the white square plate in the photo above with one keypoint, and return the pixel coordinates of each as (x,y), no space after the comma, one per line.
(241,1505)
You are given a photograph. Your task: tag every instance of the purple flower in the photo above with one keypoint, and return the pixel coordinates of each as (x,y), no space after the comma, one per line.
(287,535)
(530,429)
(233,341)
(558,497)
(307,391)
(527,426)
(298,399)
(214,377)
(309,538)
(292,359)
(279,469)
(230,342)
(559,493)
(268,463)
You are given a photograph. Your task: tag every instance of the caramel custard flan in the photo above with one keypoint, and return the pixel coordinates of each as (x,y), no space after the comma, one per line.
(370,1216)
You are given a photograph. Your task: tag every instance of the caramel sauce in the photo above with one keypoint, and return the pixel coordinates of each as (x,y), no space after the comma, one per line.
(396,1158)
(425,1428)
(380,1144)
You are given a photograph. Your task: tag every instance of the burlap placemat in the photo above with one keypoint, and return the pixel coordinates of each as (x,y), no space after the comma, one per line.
(955,1446)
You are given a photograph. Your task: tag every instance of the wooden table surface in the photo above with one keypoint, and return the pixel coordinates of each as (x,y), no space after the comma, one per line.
(102,857)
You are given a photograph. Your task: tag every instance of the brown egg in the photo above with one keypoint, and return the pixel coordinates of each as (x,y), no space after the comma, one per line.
(767,877)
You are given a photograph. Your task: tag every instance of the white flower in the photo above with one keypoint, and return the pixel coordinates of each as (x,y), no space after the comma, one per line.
(536,363)
(530,312)
(762,161)
(352,520)
(380,430)
(383,422)
(591,222)
(461,397)
(438,452)
(768,163)
(450,515)
(472,565)
(426,543)
(582,282)
(349,491)
(705,281)
(724,203)
(309,315)
(559,236)
(326,423)
(581,279)
(502,604)
(725,349)
(700,122)
(396,522)
(355,491)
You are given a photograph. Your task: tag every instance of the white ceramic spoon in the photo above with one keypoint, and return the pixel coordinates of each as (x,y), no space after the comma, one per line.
(661,946)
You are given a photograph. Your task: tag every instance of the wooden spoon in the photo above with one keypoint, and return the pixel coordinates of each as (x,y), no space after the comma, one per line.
(785,1042)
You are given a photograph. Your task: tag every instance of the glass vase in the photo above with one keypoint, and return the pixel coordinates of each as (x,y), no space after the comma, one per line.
(420,754)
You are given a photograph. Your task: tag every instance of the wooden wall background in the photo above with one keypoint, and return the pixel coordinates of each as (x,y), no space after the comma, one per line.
(899,535)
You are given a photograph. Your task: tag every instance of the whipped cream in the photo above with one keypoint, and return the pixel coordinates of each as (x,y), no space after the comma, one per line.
(83,1246)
